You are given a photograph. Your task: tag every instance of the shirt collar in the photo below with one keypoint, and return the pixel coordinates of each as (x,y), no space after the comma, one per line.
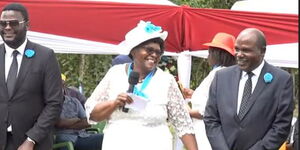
(20,49)
(257,70)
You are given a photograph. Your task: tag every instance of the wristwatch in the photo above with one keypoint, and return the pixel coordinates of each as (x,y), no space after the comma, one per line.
(30,140)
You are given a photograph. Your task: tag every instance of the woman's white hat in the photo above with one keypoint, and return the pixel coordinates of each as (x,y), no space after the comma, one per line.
(142,32)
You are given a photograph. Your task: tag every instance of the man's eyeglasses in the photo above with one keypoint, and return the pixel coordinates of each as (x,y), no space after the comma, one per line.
(11,23)
(151,50)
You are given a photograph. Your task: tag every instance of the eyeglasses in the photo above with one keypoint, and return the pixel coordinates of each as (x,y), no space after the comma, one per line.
(151,50)
(11,23)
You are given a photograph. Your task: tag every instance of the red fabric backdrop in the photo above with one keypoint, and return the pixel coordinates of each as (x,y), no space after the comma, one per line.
(200,25)
(188,28)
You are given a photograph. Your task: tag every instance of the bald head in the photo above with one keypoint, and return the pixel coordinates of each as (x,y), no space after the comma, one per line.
(256,35)
(250,46)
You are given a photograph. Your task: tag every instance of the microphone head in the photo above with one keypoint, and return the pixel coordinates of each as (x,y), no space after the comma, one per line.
(133,78)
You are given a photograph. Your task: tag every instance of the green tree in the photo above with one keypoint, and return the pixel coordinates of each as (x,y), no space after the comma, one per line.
(221,4)
(85,69)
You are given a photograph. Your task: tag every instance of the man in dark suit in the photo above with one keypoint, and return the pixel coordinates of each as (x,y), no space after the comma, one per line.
(250,104)
(30,86)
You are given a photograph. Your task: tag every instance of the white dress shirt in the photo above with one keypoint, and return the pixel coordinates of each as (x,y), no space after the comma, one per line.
(243,80)
(9,57)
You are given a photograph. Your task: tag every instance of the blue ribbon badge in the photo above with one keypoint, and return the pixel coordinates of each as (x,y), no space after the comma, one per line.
(268,77)
(29,53)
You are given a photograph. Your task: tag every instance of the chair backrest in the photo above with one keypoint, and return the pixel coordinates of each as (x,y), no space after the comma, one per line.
(68,145)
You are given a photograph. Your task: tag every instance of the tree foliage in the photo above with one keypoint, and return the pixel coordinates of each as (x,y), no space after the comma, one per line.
(221,4)
(87,70)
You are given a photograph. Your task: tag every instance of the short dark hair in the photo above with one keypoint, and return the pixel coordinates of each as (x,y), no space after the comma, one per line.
(222,57)
(17,7)
(157,40)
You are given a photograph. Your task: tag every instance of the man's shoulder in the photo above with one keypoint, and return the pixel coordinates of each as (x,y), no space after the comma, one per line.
(276,70)
(39,47)
(228,70)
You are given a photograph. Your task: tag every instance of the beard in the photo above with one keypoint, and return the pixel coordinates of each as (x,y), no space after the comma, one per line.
(16,41)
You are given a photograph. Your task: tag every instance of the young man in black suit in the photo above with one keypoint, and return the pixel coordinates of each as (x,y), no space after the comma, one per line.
(30,86)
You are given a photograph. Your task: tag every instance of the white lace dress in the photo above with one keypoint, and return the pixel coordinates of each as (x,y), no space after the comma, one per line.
(147,129)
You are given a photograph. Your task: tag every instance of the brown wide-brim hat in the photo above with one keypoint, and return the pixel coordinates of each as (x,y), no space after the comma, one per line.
(223,41)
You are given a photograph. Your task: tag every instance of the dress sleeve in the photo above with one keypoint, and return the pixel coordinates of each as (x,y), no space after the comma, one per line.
(178,114)
(100,94)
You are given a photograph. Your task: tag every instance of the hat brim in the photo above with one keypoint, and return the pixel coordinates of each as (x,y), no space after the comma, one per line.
(126,46)
(221,46)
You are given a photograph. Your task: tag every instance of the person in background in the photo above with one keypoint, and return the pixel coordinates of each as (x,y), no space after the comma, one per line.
(121,59)
(73,91)
(220,55)
(72,124)
(141,128)
(30,85)
(250,105)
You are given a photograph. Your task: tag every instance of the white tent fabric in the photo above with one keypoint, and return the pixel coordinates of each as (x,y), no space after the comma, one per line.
(274,6)
(281,55)
(63,44)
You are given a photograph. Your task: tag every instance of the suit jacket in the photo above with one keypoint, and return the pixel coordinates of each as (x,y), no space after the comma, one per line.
(37,99)
(267,121)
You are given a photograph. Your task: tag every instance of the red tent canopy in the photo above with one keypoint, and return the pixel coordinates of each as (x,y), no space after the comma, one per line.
(200,25)
(189,28)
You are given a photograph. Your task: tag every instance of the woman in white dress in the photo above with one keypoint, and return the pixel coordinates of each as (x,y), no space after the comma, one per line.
(144,127)
(220,54)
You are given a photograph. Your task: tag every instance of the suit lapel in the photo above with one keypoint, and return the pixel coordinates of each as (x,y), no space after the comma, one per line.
(25,67)
(2,68)
(235,89)
(258,89)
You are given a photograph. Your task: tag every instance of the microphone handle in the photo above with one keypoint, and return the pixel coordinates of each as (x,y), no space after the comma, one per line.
(130,90)
(125,110)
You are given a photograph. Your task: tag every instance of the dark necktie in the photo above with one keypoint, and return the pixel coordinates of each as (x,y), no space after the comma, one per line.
(246,96)
(12,74)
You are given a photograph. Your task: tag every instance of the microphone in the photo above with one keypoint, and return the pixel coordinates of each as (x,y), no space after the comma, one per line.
(133,80)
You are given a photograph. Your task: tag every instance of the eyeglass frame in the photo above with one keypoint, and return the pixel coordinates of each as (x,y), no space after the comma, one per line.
(8,22)
(151,50)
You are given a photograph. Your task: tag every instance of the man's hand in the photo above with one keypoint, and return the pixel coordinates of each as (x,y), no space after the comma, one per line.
(27,145)
(187,93)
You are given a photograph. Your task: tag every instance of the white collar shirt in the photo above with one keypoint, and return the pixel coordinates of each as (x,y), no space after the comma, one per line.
(243,80)
(9,57)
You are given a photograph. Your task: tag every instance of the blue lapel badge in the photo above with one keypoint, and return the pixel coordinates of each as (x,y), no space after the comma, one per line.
(268,77)
(29,53)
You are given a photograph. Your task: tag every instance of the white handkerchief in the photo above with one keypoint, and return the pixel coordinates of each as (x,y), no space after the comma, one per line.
(139,103)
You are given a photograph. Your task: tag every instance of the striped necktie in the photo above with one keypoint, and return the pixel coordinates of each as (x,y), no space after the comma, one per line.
(246,95)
